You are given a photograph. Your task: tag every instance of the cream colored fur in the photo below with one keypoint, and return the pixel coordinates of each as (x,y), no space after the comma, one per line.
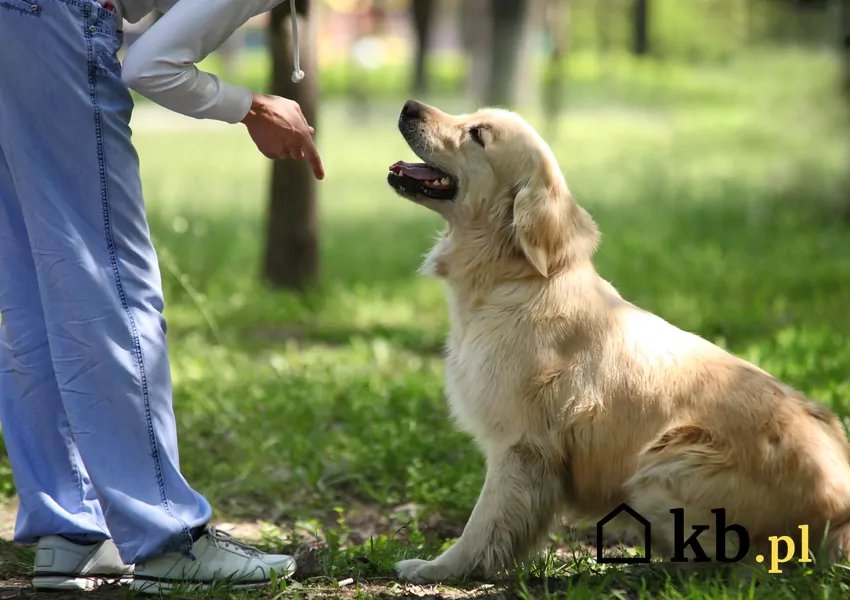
(581,400)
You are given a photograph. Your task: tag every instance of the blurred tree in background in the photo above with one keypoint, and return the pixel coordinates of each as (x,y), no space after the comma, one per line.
(292,244)
(423,19)
(641,25)
(516,54)
(557,24)
(502,40)
(845,43)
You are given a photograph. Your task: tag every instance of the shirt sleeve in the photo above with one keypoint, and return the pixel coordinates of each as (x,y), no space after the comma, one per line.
(161,64)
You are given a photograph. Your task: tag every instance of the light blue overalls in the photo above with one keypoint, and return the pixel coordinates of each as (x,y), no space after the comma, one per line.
(85,384)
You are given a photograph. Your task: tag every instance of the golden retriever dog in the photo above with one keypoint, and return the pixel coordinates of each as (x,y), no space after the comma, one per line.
(580,400)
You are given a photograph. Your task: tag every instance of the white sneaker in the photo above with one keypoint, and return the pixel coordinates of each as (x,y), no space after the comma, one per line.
(61,564)
(215,559)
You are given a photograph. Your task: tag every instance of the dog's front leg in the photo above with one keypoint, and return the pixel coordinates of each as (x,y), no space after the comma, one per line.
(514,511)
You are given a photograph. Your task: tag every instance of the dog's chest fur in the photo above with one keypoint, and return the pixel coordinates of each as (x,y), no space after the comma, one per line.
(487,362)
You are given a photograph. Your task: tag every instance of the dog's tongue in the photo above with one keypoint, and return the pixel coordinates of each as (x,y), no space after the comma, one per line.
(419,171)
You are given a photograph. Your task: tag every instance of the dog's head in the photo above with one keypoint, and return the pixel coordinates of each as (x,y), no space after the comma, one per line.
(498,185)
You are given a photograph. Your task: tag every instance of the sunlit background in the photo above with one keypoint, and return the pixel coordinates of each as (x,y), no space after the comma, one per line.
(708,138)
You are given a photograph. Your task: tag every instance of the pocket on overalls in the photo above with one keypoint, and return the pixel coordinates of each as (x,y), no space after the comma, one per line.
(106,37)
(27,8)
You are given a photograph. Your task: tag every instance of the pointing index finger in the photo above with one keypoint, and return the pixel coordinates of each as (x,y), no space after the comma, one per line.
(312,156)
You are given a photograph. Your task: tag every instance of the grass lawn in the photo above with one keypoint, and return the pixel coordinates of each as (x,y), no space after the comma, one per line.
(323,418)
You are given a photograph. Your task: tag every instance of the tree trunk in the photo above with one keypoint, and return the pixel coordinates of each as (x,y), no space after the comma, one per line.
(558,25)
(511,76)
(844,39)
(499,37)
(508,17)
(476,17)
(641,27)
(528,88)
(423,17)
(845,43)
(292,244)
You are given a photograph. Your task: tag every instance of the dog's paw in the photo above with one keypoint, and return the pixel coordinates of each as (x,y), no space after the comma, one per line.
(419,571)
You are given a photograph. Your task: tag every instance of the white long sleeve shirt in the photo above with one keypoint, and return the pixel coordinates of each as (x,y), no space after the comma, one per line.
(161,64)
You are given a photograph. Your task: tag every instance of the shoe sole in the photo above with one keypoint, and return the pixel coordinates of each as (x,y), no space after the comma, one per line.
(159,587)
(70,584)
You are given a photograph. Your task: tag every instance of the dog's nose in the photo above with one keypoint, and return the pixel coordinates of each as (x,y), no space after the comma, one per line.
(412,110)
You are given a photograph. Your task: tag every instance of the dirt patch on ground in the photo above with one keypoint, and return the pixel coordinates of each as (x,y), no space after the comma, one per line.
(395,590)
(362,522)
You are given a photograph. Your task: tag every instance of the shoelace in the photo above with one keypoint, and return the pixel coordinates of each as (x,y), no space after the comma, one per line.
(222,537)
(297,74)
(225,538)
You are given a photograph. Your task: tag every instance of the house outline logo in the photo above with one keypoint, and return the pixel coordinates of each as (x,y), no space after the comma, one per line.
(637,517)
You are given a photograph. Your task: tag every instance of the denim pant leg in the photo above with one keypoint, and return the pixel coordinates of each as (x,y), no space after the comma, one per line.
(56,495)
(64,130)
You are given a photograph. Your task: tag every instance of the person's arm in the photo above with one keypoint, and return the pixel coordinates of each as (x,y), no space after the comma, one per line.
(161,63)
(161,66)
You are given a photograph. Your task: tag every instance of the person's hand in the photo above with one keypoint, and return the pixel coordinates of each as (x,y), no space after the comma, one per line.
(279,130)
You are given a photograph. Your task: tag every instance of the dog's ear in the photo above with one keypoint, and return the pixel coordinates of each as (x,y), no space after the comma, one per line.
(550,228)
(539,216)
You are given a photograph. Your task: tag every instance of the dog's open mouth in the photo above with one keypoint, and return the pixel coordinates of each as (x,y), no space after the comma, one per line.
(411,179)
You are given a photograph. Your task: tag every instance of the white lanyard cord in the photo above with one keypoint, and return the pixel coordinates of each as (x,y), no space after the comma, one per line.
(297,74)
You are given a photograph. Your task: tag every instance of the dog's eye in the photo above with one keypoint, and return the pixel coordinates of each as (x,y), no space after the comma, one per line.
(475,134)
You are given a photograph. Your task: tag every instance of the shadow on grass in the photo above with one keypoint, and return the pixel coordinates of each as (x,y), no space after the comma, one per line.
(409,339)
(728,264)
(689,581)
(15,561)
